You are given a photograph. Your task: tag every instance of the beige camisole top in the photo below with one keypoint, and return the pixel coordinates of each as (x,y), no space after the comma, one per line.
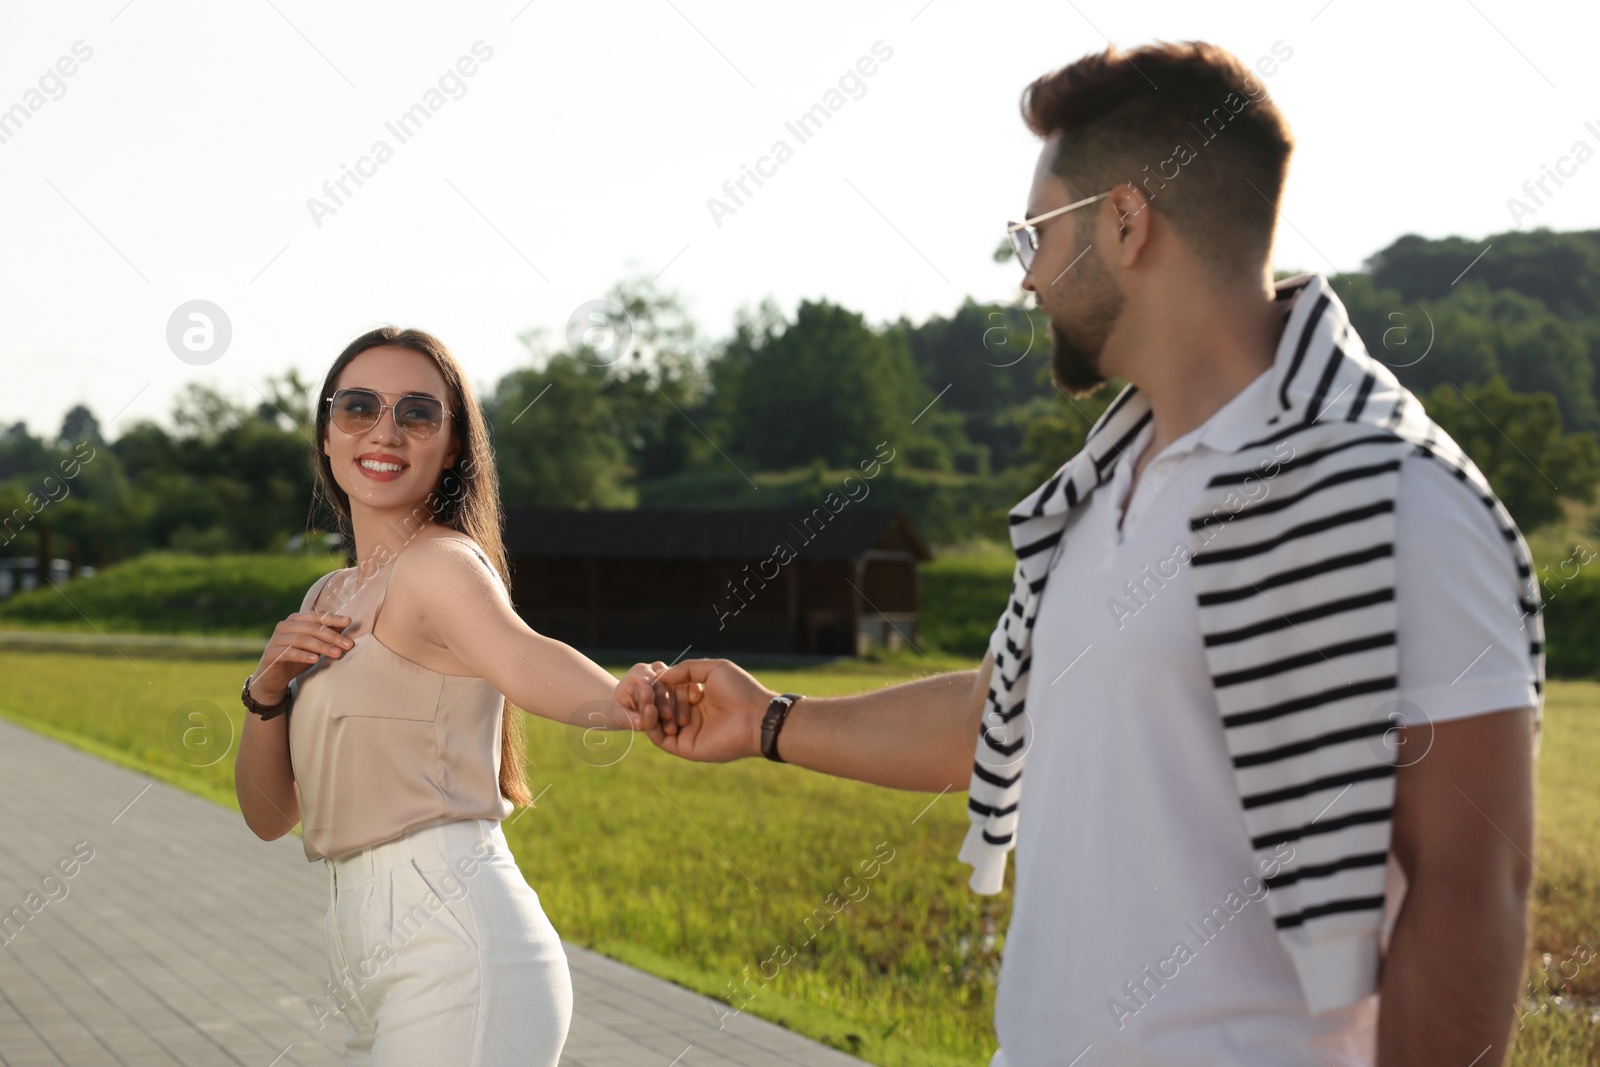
(381,745)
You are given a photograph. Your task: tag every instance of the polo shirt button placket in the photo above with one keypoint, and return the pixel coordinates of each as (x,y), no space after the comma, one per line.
(1131,513)
(1113,520)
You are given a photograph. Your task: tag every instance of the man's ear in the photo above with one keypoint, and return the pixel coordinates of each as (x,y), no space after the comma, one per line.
(1132,217)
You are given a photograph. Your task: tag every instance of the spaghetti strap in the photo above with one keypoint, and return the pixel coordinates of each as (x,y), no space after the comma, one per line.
(470,543)
(487,563)
(354,583)
(317,589)
(383,592)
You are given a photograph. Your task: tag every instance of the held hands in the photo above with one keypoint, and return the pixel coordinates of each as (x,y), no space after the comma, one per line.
(715,714)
(639,703)
(297,642)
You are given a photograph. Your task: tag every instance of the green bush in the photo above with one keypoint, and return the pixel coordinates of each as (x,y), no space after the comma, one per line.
(171,593)
(963,594)
(1571,620)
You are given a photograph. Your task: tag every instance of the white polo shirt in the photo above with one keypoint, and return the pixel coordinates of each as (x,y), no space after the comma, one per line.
(1139,932)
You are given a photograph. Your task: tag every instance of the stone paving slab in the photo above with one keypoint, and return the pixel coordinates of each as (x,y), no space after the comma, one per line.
(160,931)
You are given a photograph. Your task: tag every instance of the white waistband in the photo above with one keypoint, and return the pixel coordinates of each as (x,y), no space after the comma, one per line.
(438,845)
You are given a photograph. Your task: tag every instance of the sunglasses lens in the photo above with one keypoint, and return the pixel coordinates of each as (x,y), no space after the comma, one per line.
(1022,242)
(419,416)
(355,410)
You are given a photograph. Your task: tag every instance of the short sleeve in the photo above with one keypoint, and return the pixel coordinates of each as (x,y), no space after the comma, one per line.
(1463,640)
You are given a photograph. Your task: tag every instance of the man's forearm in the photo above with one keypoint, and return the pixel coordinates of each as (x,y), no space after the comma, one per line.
(918,735)
(1452,977)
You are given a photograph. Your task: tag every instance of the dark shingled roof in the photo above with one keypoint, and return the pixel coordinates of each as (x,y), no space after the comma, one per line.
(708,533)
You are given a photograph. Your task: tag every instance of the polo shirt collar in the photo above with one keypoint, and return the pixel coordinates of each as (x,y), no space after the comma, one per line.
(1231,426)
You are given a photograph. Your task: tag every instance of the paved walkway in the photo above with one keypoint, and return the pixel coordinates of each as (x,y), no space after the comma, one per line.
(179,938)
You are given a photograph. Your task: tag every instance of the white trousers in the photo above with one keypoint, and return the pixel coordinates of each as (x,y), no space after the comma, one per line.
(440,954)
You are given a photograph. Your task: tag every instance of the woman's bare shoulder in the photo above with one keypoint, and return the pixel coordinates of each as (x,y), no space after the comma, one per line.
(449,556)
(460,542)
(431,568)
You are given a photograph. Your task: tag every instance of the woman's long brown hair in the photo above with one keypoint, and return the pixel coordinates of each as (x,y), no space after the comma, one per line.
(467,499)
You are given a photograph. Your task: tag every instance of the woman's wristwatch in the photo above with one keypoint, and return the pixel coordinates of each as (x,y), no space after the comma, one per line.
(266,711)
(772,723)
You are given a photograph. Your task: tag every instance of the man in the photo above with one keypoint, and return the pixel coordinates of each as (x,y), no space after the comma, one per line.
(1278,708)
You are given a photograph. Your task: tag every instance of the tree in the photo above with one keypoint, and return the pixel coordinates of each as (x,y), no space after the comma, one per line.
(22,455)
(554,437)
(204,413)
(1054,428)
(79,424)
(1472,334)
(1562,270)
(288,399)
(616,403)
(1517,442)
(982,361)
(1540,353)
(1424,344)
(660,390)
(826,385)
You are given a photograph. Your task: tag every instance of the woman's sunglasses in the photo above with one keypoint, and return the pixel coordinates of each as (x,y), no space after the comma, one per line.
(358,410)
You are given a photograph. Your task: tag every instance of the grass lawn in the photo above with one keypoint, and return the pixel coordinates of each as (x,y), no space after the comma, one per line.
(700,874)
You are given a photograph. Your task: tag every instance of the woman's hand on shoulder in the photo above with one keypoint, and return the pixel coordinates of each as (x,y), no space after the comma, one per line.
(297,642)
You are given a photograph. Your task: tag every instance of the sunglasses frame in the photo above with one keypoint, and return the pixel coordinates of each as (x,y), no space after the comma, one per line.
(384,406)
(1023,233)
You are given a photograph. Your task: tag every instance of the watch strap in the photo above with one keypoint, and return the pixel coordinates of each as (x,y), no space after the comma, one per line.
(265,711)
(772,724)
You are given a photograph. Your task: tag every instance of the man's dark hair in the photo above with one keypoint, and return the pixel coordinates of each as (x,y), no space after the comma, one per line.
(1186,123)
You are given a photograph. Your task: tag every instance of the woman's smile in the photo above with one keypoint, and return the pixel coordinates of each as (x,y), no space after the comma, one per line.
(381,466)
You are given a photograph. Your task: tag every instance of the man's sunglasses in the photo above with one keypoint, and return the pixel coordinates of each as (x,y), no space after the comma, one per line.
(1025,239)
(358,410)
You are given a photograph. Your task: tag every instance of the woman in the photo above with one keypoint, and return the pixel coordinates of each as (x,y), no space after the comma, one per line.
(400,755)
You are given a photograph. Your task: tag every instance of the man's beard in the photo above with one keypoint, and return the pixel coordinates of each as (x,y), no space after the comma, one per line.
(1075,358)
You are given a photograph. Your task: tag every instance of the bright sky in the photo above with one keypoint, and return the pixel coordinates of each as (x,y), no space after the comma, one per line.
(176,161)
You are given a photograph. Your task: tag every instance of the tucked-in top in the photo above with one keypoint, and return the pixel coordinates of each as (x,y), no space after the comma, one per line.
(381,745)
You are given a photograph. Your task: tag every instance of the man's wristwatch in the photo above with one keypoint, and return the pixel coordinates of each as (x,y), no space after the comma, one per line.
(266,711)
(772,723)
